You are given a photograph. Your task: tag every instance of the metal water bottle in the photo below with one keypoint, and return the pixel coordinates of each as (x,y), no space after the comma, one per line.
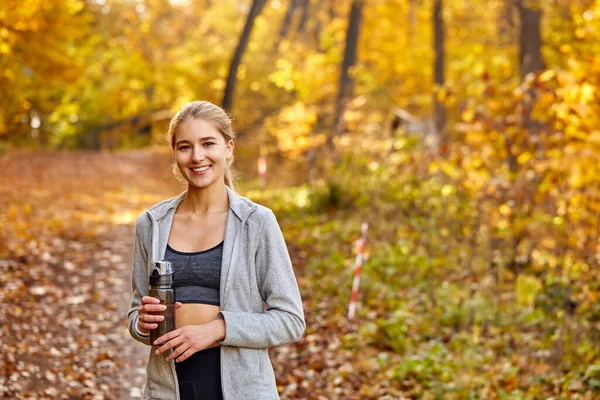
(160,281)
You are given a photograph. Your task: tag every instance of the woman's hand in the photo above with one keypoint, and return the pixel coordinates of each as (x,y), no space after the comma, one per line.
(190,339)
(146,321)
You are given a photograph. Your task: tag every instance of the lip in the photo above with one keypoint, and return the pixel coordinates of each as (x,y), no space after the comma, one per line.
(201,172)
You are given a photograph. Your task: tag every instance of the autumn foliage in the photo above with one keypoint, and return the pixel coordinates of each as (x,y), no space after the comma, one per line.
(479,178)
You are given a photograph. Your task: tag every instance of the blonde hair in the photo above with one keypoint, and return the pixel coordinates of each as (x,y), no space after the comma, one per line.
(209,112)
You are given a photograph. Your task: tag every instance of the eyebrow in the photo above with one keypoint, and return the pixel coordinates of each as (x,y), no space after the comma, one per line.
(201,139)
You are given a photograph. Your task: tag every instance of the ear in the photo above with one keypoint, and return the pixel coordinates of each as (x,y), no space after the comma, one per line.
(230,146)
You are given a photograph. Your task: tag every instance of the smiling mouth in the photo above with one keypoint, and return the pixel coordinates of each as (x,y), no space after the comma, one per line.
(200,170)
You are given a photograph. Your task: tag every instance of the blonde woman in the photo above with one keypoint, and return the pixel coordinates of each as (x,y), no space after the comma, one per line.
(234,285)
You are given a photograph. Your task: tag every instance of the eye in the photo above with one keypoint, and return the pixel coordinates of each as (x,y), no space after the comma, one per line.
(207,144)
(185,146)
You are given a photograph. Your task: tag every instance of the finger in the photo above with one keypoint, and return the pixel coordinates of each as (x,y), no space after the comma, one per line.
(178,351)
(150,300)
(170,344)
(168,336)
(141,327)
(147,326)
(185,355)
(151,318)
(177,305)
(154,307)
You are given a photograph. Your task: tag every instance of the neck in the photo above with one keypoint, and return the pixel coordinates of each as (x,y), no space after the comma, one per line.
(212,199)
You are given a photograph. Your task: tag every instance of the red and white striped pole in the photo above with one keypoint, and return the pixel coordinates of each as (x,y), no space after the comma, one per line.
(262,170)
(360,248)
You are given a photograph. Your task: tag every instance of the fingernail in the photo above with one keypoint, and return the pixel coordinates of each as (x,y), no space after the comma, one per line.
(156,342)
(156,352)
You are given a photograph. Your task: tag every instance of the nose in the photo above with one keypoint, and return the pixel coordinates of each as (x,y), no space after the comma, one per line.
(198,154)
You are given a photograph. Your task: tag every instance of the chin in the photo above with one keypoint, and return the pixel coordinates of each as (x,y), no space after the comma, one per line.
(201,185)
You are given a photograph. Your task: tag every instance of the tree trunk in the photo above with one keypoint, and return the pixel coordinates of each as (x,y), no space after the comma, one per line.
(286,24)
(530,41)
(255,9)
(304,4)
(439,111)
(530,55)
(346,83)
(289,15)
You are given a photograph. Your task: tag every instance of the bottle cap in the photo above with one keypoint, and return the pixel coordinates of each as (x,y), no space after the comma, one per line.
(160,273)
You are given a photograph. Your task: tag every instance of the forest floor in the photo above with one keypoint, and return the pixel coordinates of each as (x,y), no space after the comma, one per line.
(66,239)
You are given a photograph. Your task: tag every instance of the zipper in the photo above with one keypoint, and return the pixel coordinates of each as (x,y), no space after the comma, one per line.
(155,234)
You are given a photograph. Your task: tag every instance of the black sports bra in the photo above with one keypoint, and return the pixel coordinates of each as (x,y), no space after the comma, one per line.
(196,275)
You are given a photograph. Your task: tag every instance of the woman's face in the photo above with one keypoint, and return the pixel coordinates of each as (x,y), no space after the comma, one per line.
(201,152)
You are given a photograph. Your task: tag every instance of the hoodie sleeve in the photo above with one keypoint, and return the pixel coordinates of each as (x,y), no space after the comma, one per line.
(283,320)
(139,279)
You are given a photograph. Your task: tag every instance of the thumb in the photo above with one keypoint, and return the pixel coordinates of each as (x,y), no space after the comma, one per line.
(177,305)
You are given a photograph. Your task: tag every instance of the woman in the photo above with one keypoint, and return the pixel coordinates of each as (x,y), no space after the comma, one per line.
(234,284)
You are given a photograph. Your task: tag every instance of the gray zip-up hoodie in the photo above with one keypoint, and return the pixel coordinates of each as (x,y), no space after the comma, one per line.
(255,268)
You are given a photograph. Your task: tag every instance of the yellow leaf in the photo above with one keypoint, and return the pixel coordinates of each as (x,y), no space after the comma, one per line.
(12,212)
(594,137)
(565,48)
(576,179)
(587,93)
(467,116)
(442,95)
(524,157)
(505,209)
(547,75)
(218,84)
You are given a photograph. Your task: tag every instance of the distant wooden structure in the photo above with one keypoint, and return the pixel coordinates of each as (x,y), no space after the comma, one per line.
(414,126)
(406,121)
(133,131)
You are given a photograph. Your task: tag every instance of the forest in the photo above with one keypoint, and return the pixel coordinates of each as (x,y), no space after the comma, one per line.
(464,134)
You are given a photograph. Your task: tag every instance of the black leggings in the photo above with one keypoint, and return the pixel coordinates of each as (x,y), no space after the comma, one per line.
(199,376)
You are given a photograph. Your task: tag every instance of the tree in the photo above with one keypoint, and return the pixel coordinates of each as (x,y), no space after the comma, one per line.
(255,10)
(39,54)
(530,41)
(345,87)
(289,15)
(439,111)
(530,54)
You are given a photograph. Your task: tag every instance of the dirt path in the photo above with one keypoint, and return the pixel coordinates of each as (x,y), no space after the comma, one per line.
(65,260)
(132,355)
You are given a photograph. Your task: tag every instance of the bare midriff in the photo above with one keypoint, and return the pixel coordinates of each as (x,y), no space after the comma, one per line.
(196,314)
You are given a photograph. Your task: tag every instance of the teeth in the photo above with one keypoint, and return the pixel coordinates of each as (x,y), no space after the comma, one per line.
(201,168)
